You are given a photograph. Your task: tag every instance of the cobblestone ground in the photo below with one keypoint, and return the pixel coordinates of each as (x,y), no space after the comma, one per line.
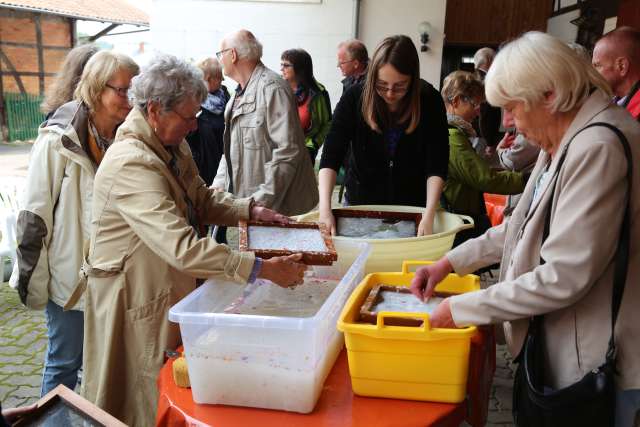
(22,345)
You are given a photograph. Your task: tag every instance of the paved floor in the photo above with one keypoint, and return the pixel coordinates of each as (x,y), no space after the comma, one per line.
(14,158)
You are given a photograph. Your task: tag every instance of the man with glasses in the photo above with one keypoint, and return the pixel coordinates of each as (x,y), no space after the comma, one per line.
(352,61)
(264,152)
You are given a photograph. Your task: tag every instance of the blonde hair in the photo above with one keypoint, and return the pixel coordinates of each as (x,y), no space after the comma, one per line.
(97,73)
(535,64)
(400,52)
(461,84)
(210,68)
(61,91)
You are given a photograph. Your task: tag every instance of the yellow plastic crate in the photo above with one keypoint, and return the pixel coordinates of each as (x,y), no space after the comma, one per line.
(416,363)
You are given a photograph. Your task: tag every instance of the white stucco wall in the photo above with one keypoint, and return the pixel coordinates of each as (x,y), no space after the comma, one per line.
(381,18)
(192,29)
(561,27)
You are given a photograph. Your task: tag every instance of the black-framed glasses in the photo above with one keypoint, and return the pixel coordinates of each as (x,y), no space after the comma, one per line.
(188,119)
(121,91)
(380,88)
(341,63)
(285,65)
(220,53)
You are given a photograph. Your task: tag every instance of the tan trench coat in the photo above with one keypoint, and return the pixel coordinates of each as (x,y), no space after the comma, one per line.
(573,288)
(264,152)
(144,257)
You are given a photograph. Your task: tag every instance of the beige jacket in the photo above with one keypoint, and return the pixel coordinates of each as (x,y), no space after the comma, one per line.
(54,223)
(264,152)
(573,288)
(144,257)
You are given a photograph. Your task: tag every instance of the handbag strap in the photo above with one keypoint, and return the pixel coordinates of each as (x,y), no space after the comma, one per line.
(622,251)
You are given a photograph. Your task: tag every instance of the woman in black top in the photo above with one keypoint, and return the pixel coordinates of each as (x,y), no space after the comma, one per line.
(394,129)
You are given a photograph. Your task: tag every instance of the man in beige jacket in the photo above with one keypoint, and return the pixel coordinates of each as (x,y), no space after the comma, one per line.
(264,152)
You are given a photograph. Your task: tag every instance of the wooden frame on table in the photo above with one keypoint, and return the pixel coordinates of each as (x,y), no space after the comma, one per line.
(61,395)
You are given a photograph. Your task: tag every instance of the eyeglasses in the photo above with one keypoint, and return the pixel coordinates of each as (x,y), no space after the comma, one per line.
(219,54)
(187,119)
(474,103)
(121,91)
(285,65)
(381,89)
(340,64)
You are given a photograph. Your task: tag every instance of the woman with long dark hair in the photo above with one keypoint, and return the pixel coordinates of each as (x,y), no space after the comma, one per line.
(394,126)
(314,107)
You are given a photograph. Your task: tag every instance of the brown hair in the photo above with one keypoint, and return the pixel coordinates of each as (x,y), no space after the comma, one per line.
(461,83)
(400,52)
(61,91)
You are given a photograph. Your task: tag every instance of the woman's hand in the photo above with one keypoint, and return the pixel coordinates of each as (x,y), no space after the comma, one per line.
(326,217)
(507,140)
(260,213)
(284,271)
(427,277)
(14,414)
(425,227)
(441,316)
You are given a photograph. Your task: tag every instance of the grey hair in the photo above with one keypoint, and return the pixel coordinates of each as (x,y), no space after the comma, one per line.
(211,68)
(246,45)
(168,81)
(483,56)
(535,64)
(356,50)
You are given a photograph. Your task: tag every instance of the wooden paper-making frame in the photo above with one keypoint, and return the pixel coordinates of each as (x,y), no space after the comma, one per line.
(308,257)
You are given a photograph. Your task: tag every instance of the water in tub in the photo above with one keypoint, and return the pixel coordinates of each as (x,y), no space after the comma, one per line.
(375,228)
(261,373)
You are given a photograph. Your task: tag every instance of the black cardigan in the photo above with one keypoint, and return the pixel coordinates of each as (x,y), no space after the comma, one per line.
(375,178)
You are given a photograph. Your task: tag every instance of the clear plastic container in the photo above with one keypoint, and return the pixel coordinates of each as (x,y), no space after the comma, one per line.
(271,362)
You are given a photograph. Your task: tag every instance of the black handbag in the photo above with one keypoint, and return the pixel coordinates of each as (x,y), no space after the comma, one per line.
(590,401)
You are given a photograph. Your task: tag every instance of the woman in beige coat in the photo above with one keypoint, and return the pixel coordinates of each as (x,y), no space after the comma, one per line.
(146,251)
(553,95)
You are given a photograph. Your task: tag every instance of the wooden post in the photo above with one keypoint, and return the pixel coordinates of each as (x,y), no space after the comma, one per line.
(36,19)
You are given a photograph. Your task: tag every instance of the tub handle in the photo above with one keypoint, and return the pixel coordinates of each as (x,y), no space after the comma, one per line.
(424,328)
(468,224)
(408,263)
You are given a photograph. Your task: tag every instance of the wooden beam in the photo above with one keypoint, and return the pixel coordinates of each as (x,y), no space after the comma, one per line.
(27,73)
(33,45)
(102,33)
(4,130)
(12,71)
(36,18)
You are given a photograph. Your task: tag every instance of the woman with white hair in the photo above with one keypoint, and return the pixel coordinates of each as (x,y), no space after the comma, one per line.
(147,247)
(559,250)
(53,226)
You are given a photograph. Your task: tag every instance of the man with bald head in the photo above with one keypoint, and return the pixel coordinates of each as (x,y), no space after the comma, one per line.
(353,60)
(264,153)
(617,57)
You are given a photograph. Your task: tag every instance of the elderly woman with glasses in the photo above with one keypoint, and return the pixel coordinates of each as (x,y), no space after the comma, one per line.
(559,251)
(147,249)
(469,174)
(54,223)
(394,130)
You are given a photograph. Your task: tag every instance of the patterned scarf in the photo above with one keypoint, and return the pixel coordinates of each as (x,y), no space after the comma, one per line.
(215,102)
(301,94)
(460,123)
(102,142)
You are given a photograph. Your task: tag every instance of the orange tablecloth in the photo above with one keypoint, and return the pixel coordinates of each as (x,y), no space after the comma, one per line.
(338,406)
(495,204)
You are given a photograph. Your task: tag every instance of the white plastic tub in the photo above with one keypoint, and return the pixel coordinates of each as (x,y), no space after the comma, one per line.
(264,361)
(388,254)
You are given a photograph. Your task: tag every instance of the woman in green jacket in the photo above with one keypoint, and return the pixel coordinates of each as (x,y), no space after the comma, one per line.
(470,175)
(314,107)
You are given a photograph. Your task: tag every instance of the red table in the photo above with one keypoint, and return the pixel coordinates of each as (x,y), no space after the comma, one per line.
(338,406)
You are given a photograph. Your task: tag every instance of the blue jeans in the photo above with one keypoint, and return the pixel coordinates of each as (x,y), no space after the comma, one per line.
(65,330)
(627,408)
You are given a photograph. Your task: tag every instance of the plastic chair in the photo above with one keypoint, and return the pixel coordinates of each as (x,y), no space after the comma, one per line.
(11,191)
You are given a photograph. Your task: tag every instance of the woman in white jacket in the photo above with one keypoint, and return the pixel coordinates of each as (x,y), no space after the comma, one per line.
(53,226)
